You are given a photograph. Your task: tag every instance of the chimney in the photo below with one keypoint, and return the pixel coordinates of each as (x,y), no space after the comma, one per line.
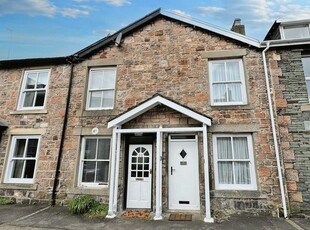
(238,27)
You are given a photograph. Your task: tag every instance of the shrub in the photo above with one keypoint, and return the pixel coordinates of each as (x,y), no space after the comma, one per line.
(98,211)
(6,200)
(81,204)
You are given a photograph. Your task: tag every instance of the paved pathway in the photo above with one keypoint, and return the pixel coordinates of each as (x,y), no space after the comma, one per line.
(41,217)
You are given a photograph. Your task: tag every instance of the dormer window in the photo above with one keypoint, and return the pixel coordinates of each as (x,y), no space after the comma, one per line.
(295,31)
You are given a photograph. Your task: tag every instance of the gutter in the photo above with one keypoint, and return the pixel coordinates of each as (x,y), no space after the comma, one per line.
(276,147)
(285,42)
(64,127)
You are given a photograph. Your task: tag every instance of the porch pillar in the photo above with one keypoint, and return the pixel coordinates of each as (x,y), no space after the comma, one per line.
(111,213)
(158,211)
(208,218)
(118,145)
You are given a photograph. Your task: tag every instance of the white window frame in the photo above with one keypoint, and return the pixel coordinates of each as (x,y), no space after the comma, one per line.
(218,186)
(89,90)
(307,78)
(23,90)
(242,81)
(89,184)
(9,168)
(293,25)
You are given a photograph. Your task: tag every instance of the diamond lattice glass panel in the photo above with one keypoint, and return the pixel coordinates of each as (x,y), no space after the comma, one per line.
(183,154)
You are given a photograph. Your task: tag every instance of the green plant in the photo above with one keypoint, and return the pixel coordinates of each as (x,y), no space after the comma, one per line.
(81,204)
(98,211)
(6,200)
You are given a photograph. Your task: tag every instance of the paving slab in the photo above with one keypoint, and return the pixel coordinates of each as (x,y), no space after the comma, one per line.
(39,217)
(302,222)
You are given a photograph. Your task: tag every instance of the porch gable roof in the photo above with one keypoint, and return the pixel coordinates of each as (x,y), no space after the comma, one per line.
(157,99)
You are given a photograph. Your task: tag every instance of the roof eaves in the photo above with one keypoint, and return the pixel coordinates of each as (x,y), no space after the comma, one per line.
(29,62)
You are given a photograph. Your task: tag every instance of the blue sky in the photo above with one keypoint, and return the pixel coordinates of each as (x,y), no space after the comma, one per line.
(49,28)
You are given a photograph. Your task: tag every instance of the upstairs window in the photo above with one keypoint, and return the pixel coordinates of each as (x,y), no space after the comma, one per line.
(296,31)
(33,92)
(22,160)
(101,88)
(233,162)
(306,67)
(227,82)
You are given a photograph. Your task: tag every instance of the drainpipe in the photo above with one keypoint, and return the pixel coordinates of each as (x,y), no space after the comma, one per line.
(276,147)
(62,140)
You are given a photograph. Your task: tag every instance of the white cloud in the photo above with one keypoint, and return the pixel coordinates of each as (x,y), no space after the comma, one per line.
(103,32)
(207,10)
(181,13)
(80,0)
(73,12)
(115,2)
(30,7)
(41,7)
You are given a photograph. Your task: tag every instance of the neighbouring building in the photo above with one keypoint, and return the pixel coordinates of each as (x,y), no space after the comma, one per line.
(166,114)
(289,63)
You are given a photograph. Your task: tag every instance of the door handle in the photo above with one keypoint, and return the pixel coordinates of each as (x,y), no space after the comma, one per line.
(172,169)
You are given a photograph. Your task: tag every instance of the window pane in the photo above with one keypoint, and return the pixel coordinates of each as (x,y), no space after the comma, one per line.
(88,171)
(40,98)
(31,80)
(224,149)
(42,80)
(17,168)
(29,97)
(219,93)
(242,173)
(234,92)
(109,79)
(29,170)
(102,171)
(306,66)
(108,99)
(225,173)
(296,32)
(96,79)
(95,99)
(32,147)
(103,149)
(241,148)
(308,88)
(19,148)
(218,72)
(232,71)
(90,148)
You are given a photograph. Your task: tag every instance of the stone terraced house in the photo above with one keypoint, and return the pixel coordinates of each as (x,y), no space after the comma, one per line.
(289,61)
(166,114)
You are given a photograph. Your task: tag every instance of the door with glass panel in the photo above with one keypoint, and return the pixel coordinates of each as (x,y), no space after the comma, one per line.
(139,176)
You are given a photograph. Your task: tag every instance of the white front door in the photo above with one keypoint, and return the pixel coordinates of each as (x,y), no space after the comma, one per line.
(139,176)
(183,172)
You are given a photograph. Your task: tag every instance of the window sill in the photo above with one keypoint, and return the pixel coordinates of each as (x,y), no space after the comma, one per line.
(233,107)
(237,194)
(305,108)
(18,112)
(94,113)
(96,191)
(14,186)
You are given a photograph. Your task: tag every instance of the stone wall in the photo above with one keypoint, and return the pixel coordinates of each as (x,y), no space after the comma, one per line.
(46,122)
(292,109)
(171,58)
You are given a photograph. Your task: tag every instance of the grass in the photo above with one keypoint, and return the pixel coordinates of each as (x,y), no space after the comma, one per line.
(6,201)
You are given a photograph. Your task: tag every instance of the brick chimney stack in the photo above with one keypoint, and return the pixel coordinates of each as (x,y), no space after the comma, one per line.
(238,27)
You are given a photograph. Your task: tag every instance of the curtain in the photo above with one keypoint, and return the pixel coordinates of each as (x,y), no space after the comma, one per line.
(234,171)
